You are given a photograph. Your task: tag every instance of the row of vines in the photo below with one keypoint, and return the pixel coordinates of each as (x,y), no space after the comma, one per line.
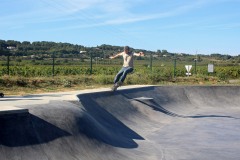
(164,72)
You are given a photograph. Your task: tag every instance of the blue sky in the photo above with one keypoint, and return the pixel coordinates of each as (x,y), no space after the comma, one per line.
(178,26)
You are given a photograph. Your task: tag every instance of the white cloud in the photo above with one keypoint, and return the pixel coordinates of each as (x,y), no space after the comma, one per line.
(93,13)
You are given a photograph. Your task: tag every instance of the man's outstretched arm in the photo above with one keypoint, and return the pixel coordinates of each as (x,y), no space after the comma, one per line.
(117,55)
(138,54)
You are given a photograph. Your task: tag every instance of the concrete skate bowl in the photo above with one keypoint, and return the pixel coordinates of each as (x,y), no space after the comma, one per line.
(159,122)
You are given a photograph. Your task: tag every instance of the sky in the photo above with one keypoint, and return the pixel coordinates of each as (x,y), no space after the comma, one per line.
(178,26)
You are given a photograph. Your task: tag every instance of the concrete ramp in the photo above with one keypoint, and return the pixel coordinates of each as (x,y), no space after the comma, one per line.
(155,123)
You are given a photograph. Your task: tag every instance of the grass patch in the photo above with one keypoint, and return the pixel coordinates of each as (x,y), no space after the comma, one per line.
(22,85)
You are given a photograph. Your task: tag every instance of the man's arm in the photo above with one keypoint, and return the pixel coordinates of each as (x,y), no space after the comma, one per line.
(138,54)
(117,55)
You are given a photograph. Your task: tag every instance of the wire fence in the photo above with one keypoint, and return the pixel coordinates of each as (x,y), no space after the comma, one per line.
(73,65)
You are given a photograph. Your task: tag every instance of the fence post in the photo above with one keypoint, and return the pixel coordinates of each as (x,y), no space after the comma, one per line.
(12,50)
(91,63)
(195,65)
(53,64)
(151,59)
(174,68)
(8,63)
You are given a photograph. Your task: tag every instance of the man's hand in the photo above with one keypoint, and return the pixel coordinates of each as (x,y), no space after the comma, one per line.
(111,57)
(141,54)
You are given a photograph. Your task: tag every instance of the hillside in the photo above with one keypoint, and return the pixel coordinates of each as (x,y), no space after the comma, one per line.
(44,49)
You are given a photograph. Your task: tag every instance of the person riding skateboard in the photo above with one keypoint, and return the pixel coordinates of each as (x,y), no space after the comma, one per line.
(127,66)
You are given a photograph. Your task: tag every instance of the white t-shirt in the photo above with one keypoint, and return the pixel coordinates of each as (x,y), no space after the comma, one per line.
(127,59)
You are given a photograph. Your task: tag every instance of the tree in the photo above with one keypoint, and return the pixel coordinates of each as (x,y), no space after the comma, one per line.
(164,51)
(159,53)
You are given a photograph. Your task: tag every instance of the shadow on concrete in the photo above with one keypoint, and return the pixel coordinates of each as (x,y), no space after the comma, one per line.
(18,99)
(30,97)
(118,92)
(27,130)
(45,95)
(99,124)
(157,107)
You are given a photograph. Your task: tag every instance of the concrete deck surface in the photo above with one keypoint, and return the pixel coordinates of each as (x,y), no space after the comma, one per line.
(149,123)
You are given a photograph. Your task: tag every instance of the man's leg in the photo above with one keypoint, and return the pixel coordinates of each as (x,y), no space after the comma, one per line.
(117,77)
(116,80)
(125,72)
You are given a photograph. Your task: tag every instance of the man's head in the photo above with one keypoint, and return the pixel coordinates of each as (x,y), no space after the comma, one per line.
(126,48)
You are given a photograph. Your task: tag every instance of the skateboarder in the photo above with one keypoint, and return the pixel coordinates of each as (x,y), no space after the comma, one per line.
(127,66)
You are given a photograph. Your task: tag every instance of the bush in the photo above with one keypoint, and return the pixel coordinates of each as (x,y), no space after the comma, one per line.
(67,83)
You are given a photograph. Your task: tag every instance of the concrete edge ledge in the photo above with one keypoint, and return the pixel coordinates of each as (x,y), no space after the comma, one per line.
(10,110)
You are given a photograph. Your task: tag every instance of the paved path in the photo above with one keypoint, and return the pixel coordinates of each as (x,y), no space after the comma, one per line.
(46,97)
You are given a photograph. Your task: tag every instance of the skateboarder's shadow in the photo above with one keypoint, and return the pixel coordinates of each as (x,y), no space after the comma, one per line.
(151,103)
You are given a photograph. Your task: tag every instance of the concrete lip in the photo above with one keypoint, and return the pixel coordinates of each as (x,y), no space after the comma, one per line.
(9,110)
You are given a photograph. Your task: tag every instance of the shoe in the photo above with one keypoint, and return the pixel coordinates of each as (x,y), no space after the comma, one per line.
(116,85)
(119,83)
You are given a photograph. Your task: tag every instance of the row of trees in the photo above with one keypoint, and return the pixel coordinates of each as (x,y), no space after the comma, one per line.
(27,48)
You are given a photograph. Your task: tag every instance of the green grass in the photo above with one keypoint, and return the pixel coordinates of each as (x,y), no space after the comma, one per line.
(22,86)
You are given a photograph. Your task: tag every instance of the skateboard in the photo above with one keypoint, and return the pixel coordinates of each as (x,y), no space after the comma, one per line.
(1,95)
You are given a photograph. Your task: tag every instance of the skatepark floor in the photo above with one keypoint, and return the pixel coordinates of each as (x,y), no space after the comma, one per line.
(135,122)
